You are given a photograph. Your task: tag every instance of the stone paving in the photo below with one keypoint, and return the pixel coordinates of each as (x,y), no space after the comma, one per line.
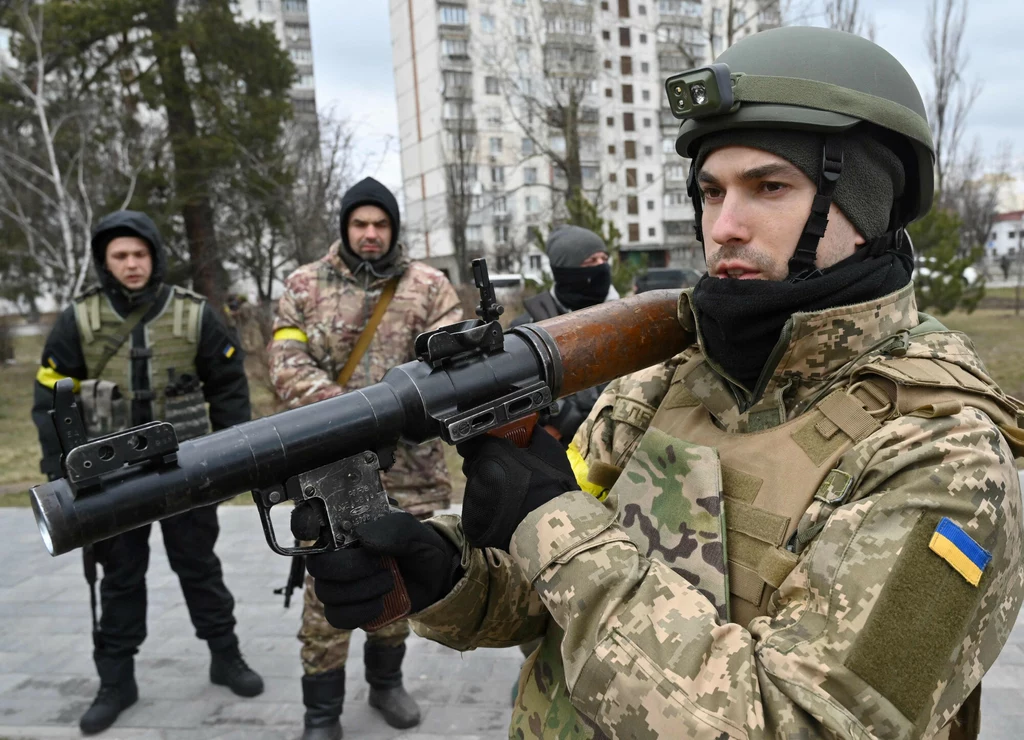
(47,678)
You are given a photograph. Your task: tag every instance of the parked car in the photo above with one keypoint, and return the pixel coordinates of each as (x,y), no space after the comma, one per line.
(655,278)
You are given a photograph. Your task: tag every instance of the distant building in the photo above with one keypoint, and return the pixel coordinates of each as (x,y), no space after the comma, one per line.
(448,59)
(1006,236)
(291,24)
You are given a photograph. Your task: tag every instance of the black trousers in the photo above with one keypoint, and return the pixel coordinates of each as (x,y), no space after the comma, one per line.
(189,539)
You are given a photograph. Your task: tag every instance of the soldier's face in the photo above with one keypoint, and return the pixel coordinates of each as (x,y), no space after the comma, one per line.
(128,259)
(369,232)
(755,207)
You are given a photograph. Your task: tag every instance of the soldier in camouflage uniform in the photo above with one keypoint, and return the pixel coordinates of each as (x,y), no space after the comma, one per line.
(324,310)
(807,524)
(140,350)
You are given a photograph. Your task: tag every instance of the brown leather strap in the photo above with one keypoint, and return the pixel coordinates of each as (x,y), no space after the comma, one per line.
(368,331)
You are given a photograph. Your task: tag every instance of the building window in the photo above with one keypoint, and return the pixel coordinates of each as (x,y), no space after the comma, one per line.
(613,205)
(531,203)
(486,22)
(611,149)
(641,9)
(452,15)
(613,177)
(294,6)
(500,233)
(495,145)
(530,175)
(610,120)
(647,123)
(527,146)
(604,4)
(643,38)
(306,82)
(626,65)
(674,198)
(607,63)
(627,93)
(651,231)
(634,232)
(455,48)
(645,95)
(632,205)
(535,262)
(629,147)
(474,233)
(675,172)
(650,205)
(522,28)
(623,37)
(628,123)
(296,31)
(498,175)
(607,92)
(631,177)
(500,206)
(648,151)
(491,86)
(623,8)
(649,178)
(645,67)
(606,35)
(493,116)
(301,56)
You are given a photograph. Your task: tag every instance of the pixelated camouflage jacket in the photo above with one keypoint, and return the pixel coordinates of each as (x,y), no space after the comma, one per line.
(901,595)
(319,319)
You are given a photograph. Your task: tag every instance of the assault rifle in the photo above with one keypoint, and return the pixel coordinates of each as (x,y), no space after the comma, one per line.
(325,458)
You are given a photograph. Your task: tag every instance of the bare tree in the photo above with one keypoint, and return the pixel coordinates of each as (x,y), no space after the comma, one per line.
(51,160)
(975,194)
(458,148)
(951,96)
(846,15)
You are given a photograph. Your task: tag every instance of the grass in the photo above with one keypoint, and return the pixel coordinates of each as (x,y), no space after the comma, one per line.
(997,333)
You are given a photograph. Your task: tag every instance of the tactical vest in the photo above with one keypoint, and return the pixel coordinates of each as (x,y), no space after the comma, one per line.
(769,479)
(170,346)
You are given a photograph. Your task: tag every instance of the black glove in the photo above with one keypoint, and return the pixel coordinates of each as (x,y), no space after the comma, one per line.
(353,582)
(505,483)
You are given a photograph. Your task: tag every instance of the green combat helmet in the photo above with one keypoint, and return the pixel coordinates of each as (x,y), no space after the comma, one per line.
(817,80)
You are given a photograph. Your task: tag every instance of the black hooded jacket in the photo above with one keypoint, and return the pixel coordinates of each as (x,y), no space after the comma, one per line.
(224,382)
(370,192)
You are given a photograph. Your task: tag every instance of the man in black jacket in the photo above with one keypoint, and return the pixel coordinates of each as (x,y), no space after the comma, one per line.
(140,350)
(583,278)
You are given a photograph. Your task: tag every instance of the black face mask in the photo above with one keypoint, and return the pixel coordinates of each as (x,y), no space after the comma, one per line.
(741,320)
(579,287)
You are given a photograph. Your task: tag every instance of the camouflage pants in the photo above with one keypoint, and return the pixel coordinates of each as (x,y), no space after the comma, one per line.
(325,648)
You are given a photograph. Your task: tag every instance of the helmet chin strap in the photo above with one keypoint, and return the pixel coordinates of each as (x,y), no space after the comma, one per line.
(801,264)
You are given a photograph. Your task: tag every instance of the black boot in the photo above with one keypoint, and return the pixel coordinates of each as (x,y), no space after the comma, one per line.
(118,691)
(228,668)
(387,695)
(323,694)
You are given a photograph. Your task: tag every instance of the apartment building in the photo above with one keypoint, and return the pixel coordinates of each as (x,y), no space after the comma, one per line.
(291,24)
(483,85)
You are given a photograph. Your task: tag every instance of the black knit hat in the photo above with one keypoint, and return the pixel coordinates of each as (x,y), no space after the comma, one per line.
(873,176)
(369,192)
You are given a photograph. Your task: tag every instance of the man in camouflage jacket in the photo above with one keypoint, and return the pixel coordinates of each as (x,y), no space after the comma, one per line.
(806,525)
(324,310)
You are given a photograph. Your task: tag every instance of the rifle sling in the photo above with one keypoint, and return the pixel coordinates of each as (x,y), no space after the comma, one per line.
(120,338)
(363,343)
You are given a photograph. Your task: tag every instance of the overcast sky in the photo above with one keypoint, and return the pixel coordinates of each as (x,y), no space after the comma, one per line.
(352,64)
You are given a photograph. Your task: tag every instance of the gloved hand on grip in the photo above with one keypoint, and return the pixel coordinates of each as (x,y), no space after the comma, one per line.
(353,582)
(505,483)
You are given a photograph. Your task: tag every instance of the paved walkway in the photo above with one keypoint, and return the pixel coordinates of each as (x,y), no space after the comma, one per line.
(47,678)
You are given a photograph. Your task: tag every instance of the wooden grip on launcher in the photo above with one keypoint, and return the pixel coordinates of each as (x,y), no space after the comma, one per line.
(518,432)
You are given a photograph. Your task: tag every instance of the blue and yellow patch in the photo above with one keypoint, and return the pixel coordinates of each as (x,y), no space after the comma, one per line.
(229,351)
(957,548)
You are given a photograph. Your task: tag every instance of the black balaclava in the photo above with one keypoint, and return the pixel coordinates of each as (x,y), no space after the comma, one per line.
(577,287)
(369,192)
(741,320)
(129,223)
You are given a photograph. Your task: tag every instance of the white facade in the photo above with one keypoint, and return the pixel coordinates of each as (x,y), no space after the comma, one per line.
(454,61)
(1007,235)
(291,25)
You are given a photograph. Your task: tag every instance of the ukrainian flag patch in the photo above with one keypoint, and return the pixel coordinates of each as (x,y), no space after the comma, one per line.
(229,351)
(957,548)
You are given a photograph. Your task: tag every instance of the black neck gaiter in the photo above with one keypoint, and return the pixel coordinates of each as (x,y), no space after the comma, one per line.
(741,321)
(579,287)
